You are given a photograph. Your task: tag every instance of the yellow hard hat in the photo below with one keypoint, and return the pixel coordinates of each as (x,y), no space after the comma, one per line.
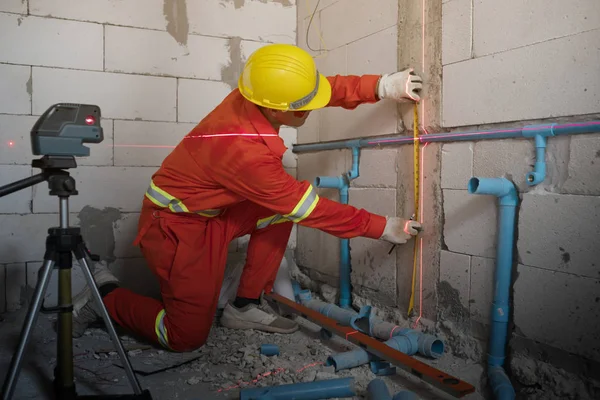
(284,77)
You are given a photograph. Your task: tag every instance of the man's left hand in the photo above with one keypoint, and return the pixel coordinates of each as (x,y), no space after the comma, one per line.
(403,86)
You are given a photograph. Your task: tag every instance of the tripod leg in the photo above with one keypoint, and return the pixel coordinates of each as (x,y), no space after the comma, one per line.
(110,327)
(30,320)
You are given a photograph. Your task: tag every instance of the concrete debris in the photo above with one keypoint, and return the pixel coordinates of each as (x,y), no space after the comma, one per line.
(541,380)
(329,293)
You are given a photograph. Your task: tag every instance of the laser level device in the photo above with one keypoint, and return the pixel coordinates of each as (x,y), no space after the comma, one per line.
(58,135)
(63,128)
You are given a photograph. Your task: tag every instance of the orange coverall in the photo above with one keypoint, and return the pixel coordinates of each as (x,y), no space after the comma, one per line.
(225,179)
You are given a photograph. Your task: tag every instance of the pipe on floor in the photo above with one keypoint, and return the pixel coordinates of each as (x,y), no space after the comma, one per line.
(342,183)
(405,395)
(328,389)
(508,200)
(407,341)
(378,390)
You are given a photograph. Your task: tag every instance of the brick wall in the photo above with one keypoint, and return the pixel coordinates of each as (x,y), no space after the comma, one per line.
(352,38)
(156,68)
(526,62)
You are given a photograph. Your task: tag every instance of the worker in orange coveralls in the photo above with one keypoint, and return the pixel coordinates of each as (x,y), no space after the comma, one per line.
(225,179)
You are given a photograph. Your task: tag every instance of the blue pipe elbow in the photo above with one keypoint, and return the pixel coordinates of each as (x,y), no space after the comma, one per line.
(378,390)
(501,385)
(330,182)
(328,389)
(426,345)
(499,187)
(540,133)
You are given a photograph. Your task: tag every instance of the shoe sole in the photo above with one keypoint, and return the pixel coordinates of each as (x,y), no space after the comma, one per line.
(234,323)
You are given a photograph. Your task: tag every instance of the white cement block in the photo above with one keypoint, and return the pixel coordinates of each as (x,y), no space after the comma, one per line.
(125,231)
(165,56)
(141,143)
(551,19)
(15,282)
(306,7)
(272,21)
(24,236)
(377,167)
(15,139)
(142,97)
(15,88)
(482,288)
(470,223)
(358,58)
(510,158)
(456,31)
(289,136)
(16,202)
(120,187)
(125,13)
(364,56)
(314,38)
(455,269)
(14,6)
(345,22)
(559,233)
(546,303)
(372,267)
(318,251)
(509,86)
(50,42)
(584,165)
(457,165)
(197,98)
(366,120)
(332,63)
(309,132)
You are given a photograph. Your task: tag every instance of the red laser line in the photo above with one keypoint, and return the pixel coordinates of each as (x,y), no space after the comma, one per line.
(266,374)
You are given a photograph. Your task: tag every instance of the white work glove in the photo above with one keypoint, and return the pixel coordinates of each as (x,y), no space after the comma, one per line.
(399,231)
(401,86)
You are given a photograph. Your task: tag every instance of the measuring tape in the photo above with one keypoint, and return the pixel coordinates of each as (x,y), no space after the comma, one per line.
(416,174)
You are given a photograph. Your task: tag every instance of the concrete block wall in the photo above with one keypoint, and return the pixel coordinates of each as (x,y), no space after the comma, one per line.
(156,68)
(352,38)
(541,68)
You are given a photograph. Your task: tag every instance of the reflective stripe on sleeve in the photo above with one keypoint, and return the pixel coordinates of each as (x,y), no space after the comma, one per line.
(305,206)
(161,329)
(164,199)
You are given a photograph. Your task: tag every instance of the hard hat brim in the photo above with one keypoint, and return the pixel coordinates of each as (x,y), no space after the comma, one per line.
(322,97)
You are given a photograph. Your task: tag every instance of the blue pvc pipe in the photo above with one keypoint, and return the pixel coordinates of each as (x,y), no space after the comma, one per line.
(328,389)
(342,315)
(407,343)
(378,390)
(508,200)
(342,183)
(269,349)
(557,129)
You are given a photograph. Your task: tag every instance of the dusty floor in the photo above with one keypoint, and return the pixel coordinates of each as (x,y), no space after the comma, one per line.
(230,360)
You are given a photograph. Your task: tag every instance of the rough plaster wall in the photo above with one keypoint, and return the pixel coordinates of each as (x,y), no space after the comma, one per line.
(156,68)
(543,68)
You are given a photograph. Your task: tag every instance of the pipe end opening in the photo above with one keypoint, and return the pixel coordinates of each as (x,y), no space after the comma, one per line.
(473,185)
(437,348)
(317,181)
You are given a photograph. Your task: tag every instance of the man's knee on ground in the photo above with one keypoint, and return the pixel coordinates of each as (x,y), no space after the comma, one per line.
(187,338)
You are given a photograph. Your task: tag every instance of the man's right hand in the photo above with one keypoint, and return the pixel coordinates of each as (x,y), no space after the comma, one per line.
(399,231)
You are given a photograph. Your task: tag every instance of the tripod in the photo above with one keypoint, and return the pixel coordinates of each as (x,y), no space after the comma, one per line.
(62,243)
